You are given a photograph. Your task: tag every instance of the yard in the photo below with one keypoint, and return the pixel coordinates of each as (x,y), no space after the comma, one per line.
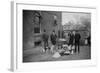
(36,55)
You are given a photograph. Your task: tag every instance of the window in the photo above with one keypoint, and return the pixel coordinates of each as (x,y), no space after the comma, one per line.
(37,25)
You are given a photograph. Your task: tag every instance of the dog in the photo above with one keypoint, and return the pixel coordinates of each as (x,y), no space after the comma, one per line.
(46,49)
(52,48)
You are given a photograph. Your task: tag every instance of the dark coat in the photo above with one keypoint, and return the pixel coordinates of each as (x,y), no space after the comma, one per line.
(77,38)
(71,38)
(53,39)
(45,37)
(89,40)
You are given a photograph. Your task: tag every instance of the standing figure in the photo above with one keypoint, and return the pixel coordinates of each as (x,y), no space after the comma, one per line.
(71,40)
(77,42)
(45,40)
(53,38)
(89,40)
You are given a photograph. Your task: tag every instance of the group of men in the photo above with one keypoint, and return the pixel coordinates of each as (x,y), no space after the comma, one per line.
(45,38)
(74,39)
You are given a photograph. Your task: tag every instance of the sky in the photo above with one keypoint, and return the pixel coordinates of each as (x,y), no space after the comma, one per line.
(74,17)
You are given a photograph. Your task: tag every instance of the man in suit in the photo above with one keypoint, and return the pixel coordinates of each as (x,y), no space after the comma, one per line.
(53,38)
(71,38)
(45,38)
(77,42)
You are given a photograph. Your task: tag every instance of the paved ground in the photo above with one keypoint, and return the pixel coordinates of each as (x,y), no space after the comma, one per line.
(36,55)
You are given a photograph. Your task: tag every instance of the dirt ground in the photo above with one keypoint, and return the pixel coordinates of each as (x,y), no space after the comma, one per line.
(36,55)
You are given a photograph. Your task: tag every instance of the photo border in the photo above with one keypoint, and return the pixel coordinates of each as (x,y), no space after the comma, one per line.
(16,59)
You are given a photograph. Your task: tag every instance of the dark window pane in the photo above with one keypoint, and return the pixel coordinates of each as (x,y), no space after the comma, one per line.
(36,30)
